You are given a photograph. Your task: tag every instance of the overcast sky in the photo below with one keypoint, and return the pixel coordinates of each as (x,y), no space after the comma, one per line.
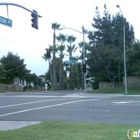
(30,44)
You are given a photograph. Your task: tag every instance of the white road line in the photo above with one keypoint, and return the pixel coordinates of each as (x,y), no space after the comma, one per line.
(126,102)
(29,96)
(17,112)
(30,103)
(120,102)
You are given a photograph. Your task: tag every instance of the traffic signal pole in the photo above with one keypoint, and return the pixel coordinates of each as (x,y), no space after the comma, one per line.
(34,13)
(84,62)
(8,3)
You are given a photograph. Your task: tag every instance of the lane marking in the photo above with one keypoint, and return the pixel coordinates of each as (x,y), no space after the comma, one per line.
(30,103)
(41,96)
(30,96)
(126,102)
(43,107)
(120,102)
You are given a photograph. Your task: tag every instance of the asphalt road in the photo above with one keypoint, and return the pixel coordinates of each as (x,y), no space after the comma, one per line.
(70,106)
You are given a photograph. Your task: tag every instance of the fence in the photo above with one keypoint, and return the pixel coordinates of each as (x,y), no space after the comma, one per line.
(132,81)
(11,87)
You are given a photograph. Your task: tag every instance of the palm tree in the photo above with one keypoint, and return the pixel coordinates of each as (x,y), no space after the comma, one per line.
(81,57)
(61,38)
(55,27)
(70,40)
(80,46)
(71,49)
(50,65)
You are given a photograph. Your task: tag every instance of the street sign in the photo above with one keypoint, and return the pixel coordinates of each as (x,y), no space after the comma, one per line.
(70,61)
(5,21)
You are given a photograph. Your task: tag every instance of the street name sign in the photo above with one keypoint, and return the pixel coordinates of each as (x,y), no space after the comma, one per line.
(70,61)
(5,21)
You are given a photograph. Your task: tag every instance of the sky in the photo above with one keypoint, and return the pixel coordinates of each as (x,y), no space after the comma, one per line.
(30,44)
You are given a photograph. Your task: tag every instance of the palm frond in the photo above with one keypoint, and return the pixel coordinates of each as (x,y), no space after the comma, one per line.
(71,38)
(61,38)
(55,26)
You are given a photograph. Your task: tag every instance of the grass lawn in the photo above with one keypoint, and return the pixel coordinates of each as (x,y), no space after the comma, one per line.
(2,91)
(69,131)
(131,91)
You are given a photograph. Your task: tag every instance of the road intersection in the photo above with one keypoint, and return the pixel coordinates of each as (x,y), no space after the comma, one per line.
(74,106)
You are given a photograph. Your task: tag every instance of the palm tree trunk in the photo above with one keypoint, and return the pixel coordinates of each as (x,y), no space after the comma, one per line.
(77,73)
(54,81)
(71,82)
(51,72)
(61,73)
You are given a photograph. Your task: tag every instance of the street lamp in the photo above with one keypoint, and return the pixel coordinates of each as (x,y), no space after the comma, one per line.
(83,33)
(124,51)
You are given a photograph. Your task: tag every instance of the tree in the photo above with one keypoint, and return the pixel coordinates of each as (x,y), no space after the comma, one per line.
(30,78)
(133,61)
(14,67)
(105,55)
(50,70)
(2,73)
(71,48)
(77,69)
(81,44)
(55,26)
(61,38)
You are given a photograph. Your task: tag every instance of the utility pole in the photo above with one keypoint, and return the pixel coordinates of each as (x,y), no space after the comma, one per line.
(124,52)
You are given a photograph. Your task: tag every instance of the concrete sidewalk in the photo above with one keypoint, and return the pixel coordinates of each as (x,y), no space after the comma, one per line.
(11,125)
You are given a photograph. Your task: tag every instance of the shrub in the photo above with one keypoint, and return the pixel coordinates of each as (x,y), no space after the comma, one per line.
(95,85)
(25,88)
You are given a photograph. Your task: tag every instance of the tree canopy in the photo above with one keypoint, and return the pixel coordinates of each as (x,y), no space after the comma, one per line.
(14,67)
(2,72)
(105,50)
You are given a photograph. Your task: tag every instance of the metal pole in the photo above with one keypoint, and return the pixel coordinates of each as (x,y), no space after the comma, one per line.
(7,11)
(85,87)
(125,75)
(14,4)
(70,29)
(124,52)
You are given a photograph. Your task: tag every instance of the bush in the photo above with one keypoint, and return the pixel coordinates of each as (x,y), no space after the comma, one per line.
(95,85)
(1,91)
(25,88)
(30,87)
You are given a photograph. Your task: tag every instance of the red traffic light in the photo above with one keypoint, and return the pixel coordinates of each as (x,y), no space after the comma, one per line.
(48,53)
(47,50)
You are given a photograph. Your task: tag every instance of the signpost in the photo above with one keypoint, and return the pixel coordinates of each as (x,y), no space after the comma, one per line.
(5,21)
(70,62)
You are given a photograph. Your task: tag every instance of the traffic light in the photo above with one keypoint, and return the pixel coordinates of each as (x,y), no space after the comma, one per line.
(48,53)
(84,68)
(34,19)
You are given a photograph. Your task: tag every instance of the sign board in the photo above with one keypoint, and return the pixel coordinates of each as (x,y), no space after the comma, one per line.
(5,21)
(70,61)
